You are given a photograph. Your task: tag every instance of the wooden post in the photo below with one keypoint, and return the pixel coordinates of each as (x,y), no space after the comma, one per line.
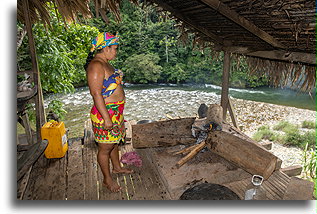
(225,84)
(27,128)
(39,106)
(232,113)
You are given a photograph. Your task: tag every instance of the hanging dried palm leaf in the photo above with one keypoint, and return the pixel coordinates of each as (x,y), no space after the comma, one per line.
(283,73)
(39,10)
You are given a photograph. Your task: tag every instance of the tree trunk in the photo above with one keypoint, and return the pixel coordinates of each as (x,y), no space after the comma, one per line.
(163,133)
(241,150)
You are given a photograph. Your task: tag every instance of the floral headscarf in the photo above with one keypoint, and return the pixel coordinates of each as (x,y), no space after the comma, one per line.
(104,39)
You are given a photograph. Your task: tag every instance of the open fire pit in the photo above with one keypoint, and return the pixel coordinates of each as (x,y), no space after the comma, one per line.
(209,191)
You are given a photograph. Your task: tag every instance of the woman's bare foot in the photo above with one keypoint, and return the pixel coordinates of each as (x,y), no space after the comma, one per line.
(122,171)
(112,186)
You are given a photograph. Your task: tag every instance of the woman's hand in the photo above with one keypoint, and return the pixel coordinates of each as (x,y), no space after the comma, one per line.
(107,124)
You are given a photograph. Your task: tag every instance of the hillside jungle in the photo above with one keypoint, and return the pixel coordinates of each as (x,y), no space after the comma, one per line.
(150,52)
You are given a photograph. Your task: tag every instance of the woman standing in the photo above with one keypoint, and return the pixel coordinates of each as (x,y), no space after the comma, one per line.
(105,85)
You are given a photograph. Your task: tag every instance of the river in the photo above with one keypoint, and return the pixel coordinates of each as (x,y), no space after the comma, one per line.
(156,101)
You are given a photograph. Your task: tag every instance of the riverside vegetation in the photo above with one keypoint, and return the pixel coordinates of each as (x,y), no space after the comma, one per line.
(303,137)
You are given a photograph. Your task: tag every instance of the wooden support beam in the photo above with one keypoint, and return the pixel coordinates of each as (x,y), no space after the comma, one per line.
(97,9)
(306,58)
(225,83)
(289,56)
(232,113)
(234,16)
(40,113)
(189,22)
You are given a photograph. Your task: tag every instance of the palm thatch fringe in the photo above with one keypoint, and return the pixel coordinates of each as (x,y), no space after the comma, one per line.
(280,74)
(69,9)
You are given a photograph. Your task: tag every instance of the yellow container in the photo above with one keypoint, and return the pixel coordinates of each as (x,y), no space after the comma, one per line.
(55,133)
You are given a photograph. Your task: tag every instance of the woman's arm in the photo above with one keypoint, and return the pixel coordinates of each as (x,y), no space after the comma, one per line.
(95,77)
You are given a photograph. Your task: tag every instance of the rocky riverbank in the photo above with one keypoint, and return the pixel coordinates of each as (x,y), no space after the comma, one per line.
(251,115)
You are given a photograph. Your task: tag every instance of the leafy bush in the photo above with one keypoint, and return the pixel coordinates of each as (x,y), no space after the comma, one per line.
(61,54)
(308,124)
(174,74)
(143,68)
(56,106)
(286,127)
(300,140)
(279,138)
(292,136)
(264,132)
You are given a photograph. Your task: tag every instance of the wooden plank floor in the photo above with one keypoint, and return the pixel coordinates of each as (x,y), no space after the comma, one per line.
(275,186)
(77,176)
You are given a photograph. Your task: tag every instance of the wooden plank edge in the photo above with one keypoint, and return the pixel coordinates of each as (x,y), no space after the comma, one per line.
(292,170)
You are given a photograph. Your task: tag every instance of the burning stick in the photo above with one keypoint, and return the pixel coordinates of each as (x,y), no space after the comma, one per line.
(191,154)
(185,150)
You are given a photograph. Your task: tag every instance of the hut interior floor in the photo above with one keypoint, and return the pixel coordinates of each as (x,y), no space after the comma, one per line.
(77,176)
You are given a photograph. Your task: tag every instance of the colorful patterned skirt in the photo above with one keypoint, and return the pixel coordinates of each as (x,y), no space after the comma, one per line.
(117,132)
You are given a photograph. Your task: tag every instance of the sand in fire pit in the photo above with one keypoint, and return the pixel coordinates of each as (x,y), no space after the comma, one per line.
(205,167)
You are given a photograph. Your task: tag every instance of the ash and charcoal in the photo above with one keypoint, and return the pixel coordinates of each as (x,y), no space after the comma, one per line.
(208,191)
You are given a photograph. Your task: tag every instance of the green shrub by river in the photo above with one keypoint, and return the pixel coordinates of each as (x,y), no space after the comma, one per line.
(289,134)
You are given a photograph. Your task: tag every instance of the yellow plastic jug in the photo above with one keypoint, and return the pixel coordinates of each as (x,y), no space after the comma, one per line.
(55,133)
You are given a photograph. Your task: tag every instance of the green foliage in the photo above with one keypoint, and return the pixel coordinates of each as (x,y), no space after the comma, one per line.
(143,32)
(264,132)
(308,124)
(286,127)
(174,74)
(30,110)
(143,68)
(291,136)
(61,54)
(56,106)
(279,138)
(309,164)
(300,140)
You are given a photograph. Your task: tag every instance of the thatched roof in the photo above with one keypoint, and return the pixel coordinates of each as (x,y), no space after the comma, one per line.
(277,35)
(69,9)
